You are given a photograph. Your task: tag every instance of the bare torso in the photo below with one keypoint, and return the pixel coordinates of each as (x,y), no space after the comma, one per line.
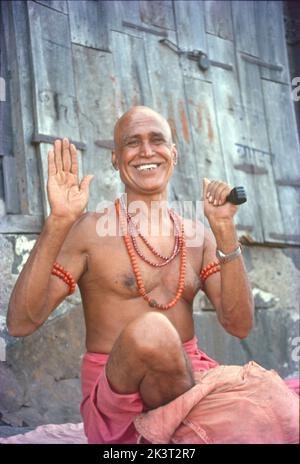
(110,294)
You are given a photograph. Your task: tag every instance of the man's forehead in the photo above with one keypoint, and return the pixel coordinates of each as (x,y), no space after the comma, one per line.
(143,117)
(140,119)
(136,133)
(145,122)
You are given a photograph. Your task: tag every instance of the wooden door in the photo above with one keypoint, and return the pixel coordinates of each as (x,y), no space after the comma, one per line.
(233,121)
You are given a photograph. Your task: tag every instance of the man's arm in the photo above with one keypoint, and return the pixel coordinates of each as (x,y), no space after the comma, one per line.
(230,290)
(37,292)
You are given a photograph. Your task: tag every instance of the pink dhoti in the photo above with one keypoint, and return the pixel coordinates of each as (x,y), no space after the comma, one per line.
(108,416)
(228,404)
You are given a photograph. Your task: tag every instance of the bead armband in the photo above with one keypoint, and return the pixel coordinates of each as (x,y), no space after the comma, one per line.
(64,275)
(208,270)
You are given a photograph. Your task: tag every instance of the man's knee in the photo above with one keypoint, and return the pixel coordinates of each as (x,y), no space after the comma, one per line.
(155,341)
(152,330)
(150,347)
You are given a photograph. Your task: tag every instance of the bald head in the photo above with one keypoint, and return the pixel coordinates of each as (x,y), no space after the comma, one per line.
(135,115)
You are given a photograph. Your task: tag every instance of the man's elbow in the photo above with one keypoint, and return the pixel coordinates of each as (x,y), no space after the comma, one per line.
(238,329)
(239,332)
(20,329)
(13,331)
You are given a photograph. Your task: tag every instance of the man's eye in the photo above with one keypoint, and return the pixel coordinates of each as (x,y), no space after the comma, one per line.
(158,141)
(133,143)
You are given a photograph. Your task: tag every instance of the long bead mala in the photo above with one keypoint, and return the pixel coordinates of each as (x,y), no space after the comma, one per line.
(153,303)
(134,231)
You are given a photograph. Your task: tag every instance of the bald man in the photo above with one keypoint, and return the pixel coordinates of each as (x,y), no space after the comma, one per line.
(141,346)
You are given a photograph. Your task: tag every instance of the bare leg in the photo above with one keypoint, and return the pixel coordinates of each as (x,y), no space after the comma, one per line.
(148,357)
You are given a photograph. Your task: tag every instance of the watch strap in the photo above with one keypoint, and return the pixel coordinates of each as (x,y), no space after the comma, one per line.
(225,258)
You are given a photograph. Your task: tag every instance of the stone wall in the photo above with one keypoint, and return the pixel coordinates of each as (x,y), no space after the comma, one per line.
(40,374)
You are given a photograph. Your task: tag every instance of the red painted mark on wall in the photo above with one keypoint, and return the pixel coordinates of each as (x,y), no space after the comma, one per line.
(197,113)
(210,132)
(199,116)
(173,128)
(202,112)
(184,124)
(171,120)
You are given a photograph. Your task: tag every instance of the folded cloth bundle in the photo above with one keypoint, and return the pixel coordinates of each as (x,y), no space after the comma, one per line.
(228,405)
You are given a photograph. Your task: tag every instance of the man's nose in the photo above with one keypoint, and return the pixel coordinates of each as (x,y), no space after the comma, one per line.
(147,149)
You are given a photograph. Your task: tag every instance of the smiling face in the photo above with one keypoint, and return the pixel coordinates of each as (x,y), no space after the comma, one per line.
(144,152)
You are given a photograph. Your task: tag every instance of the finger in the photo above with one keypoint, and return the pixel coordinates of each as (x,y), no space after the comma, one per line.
(211,190)
(221,187)
(74,165)
(223,195)
(85,183)
(57,152)
(66,158)
(51,163)
(206,183)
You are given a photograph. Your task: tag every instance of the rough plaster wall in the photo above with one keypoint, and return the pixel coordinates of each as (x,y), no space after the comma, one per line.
(39,380)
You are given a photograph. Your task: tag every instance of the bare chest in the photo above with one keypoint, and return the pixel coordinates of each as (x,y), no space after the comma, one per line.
(110,271)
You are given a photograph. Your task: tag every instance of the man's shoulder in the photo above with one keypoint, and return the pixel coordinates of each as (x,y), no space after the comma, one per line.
(84,227)
(97,224)
(84,221)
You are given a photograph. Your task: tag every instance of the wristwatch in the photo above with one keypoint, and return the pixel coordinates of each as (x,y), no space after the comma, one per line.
(230,256)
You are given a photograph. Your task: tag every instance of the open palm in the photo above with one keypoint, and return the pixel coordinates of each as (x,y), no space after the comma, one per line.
(67,197)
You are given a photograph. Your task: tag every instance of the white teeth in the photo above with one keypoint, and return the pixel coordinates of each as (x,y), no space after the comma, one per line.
(146,166)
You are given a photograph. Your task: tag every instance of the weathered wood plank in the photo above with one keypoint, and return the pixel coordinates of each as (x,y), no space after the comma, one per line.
(190,25)
(88,24)
(52,69)
(11,193)
(282,129)
(284,143)
(168,98)
(55,102)
(21,224)
(59,5)
(125,17)
(218,18)
(191,35)
(233,131)
(244,25)
(97,115)
(42,138)
(271,39)
(204,129)
(120,13)
(5,108)
(157,13)
(2,204)
(259,156)
(131,70)
(22,116)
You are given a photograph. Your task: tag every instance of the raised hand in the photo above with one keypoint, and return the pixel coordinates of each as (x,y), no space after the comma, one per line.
(67,197)
(216,207)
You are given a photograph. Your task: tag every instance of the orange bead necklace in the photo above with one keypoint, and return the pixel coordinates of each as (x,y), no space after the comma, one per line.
(134,232)
(151,302)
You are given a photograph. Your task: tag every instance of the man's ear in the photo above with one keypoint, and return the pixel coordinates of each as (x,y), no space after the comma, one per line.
(114,160)
(175,154)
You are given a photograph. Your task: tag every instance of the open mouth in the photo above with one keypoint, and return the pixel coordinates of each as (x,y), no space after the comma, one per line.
(147,167)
